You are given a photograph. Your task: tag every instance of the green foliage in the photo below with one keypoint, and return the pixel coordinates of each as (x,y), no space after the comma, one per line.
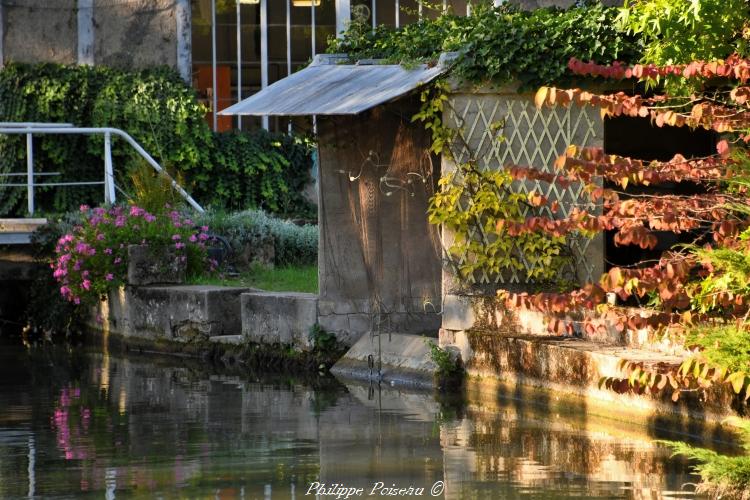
(681,31)
(474,204)
(259,170)
(235,169)
(152,190)
(730,275)
(47,310)
(722,476)
(726,346)
(293,244)
(499,45)
(322,340)
(448,367)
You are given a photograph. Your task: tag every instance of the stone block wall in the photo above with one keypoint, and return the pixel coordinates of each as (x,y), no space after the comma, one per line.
(127,34)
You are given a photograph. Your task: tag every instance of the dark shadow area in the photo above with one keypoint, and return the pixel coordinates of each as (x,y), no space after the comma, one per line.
(639,139)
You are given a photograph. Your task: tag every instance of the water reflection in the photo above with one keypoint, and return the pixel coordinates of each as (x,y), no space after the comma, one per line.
(74,424)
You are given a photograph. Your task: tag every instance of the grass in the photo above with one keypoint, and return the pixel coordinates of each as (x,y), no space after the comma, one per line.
(279,279)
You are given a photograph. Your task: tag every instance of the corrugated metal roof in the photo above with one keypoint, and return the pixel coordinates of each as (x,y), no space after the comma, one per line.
(327,88)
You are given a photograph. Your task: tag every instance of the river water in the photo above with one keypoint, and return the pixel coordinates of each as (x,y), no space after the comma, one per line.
(80,424)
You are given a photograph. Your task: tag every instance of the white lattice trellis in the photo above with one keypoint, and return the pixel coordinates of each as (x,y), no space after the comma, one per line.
(535,138)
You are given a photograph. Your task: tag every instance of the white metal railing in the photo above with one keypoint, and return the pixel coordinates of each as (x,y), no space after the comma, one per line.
(30,129)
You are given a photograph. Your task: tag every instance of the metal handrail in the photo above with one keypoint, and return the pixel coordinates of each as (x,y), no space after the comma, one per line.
(29,129)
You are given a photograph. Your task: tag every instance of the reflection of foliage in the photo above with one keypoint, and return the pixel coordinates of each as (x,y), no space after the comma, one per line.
(322,399)
(71,422)
(722,476)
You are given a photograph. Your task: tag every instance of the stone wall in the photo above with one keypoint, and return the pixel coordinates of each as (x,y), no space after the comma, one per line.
(187,314)
(379,264)
(133,34)
(40,31)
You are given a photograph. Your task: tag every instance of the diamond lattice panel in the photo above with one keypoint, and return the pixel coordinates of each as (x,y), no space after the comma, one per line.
(531,137)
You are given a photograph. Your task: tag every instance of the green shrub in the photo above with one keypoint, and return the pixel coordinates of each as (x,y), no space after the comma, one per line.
(722,476)
(260,170)
(293,244)
(227,170)
(92,259)
(47,310)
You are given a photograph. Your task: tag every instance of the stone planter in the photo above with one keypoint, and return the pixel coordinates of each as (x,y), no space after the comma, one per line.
(149,265)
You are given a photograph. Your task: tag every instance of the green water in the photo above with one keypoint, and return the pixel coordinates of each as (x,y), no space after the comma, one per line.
(93,425)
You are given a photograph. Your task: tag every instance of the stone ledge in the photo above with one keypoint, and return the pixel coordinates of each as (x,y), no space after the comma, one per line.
(279,317)
(467,312)
(182,313)
(405,360)
(575,366)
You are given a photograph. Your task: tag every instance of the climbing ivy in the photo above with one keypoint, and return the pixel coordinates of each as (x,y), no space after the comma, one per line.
(499,45)
(475,204)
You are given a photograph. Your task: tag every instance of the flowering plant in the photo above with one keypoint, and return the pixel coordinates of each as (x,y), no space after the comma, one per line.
(92,259)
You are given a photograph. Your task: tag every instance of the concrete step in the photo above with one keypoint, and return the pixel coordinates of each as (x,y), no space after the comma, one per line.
(227,339)
(463,313)
(179,313)
(403,359)
(279,317)
(18,231)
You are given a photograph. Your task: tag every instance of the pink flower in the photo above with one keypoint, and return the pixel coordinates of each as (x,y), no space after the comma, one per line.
(176,237)
(118,260)
(193,238)
(149,218)
(204,229)
(84,208)
(109,277)
(86,284)
(179,245)
(76,300)
(136,211)
(100,237)
(64,291)
(108,251)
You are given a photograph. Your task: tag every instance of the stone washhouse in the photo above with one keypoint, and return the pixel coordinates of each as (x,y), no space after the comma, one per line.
(384,288)
(379,259)
(381,265)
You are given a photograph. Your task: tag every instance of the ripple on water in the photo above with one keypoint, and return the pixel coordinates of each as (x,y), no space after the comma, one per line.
(74,424)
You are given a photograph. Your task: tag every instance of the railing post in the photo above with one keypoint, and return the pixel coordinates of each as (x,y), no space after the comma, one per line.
(109,175)
(30,172)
